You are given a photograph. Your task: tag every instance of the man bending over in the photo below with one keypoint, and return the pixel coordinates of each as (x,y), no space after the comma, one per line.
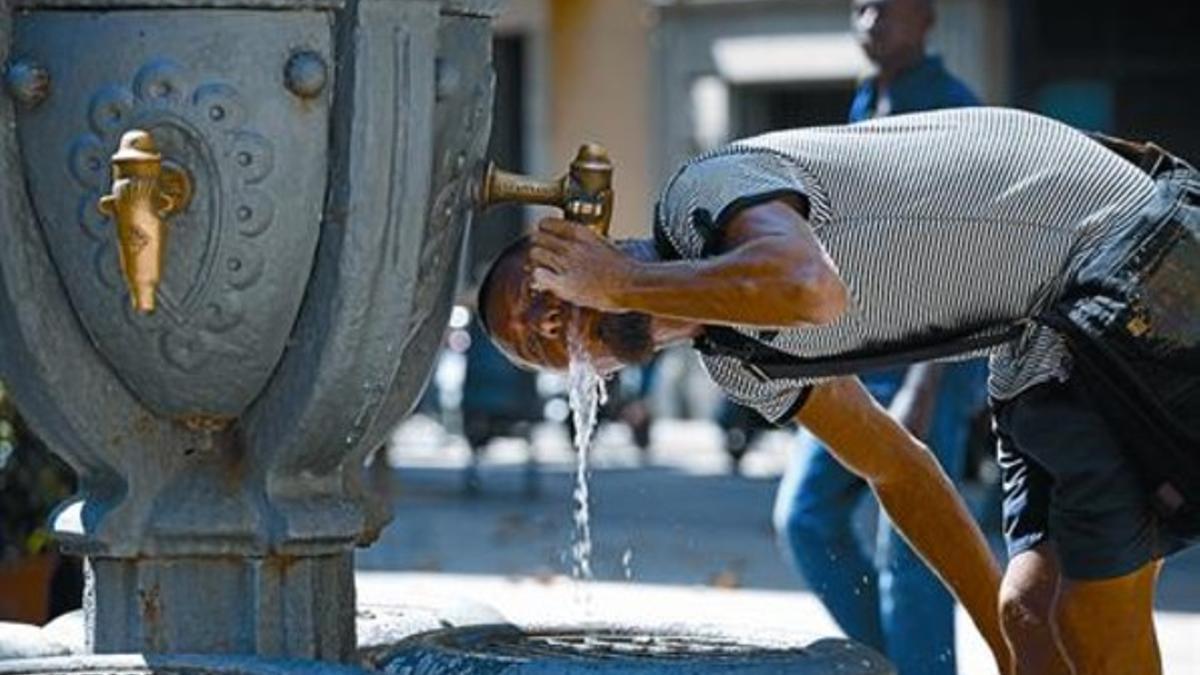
(795,259)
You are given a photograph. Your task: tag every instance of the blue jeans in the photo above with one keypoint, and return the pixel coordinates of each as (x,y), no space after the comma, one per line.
(893,603)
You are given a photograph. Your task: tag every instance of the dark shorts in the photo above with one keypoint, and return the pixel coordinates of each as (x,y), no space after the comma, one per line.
(1068,482)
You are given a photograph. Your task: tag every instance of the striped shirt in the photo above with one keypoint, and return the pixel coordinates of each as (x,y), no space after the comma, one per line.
(938,222)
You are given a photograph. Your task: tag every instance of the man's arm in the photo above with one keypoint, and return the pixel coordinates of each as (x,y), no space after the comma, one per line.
(916,402)
(917,495)
(773,272)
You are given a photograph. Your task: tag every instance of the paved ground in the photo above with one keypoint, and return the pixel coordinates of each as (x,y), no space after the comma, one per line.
(677,540)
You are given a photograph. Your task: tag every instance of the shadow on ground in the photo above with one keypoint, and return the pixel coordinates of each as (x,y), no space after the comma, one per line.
(656,525)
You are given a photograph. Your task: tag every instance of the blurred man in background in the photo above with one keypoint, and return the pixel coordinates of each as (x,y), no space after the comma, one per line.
(893,603)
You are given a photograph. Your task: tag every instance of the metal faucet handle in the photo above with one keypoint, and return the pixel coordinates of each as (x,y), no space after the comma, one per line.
(146,190)
(584,193)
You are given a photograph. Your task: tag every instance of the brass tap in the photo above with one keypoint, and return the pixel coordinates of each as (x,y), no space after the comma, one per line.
(584,193)
(145,192)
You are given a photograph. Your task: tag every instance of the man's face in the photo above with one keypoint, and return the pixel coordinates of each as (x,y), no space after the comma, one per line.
(890,28)
(539,330)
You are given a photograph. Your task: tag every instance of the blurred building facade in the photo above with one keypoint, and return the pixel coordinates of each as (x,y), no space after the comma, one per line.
(659,80)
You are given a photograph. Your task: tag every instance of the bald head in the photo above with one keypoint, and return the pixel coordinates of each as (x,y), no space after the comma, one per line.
(893,32)
(504,300)
(532,328)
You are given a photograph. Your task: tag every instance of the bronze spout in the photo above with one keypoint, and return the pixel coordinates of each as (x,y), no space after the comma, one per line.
(584,193)
(144,193)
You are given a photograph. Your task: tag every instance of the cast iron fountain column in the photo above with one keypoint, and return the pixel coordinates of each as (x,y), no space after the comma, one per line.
(305,168)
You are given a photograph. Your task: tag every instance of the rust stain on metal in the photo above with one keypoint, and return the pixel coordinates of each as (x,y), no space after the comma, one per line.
(208,423)
(150,602)
(282,563)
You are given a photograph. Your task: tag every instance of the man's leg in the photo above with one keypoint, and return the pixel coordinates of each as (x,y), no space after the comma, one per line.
(1106,538)
(1030,585)
(1107,626)
(1027,600)
(813,509)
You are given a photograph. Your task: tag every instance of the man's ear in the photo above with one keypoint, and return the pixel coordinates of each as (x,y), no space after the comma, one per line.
(550,323)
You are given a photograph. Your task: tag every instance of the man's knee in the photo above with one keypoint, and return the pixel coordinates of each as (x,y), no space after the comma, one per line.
(1026,612)
(1028,595)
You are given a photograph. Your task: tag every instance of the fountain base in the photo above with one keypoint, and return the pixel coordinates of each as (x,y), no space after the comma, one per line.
(60,647)
(423,641)
(274,606)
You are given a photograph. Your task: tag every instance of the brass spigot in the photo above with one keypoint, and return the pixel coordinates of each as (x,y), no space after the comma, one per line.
(145,192)
(584,193)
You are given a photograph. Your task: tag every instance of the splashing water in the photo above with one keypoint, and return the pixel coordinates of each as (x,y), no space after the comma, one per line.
(586,393)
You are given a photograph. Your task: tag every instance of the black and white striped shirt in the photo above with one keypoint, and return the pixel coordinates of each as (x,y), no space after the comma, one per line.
(938,222)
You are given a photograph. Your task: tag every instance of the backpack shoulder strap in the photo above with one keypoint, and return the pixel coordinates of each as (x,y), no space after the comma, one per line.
(1148,157)
(766,363)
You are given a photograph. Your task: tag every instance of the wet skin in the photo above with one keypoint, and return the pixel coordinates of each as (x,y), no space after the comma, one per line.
(538,330)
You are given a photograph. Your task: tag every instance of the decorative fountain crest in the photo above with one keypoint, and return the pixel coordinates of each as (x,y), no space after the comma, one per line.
(217,318)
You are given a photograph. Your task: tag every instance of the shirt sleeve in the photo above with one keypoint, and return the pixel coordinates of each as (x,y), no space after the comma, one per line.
(777,401)
(707,192)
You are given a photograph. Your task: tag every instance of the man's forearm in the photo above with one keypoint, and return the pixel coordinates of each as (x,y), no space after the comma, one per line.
(918,497)
(770,271)
(733,289)
(936,522)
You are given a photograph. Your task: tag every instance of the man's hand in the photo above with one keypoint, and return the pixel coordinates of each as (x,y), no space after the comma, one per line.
(577,265)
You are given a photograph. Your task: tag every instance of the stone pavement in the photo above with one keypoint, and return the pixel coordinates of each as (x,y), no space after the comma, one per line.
(677,540)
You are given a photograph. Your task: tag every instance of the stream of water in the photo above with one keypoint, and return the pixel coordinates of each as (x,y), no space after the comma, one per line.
(586,393)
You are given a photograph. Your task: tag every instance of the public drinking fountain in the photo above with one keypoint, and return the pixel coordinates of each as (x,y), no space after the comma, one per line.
(231,234)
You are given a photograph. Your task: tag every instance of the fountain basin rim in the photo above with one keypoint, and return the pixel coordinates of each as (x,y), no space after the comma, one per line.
(170,664)
(618,643)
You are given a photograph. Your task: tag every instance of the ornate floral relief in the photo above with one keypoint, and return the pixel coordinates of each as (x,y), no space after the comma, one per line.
(203,128)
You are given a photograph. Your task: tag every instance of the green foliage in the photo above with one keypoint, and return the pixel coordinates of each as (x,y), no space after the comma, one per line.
(32,483)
